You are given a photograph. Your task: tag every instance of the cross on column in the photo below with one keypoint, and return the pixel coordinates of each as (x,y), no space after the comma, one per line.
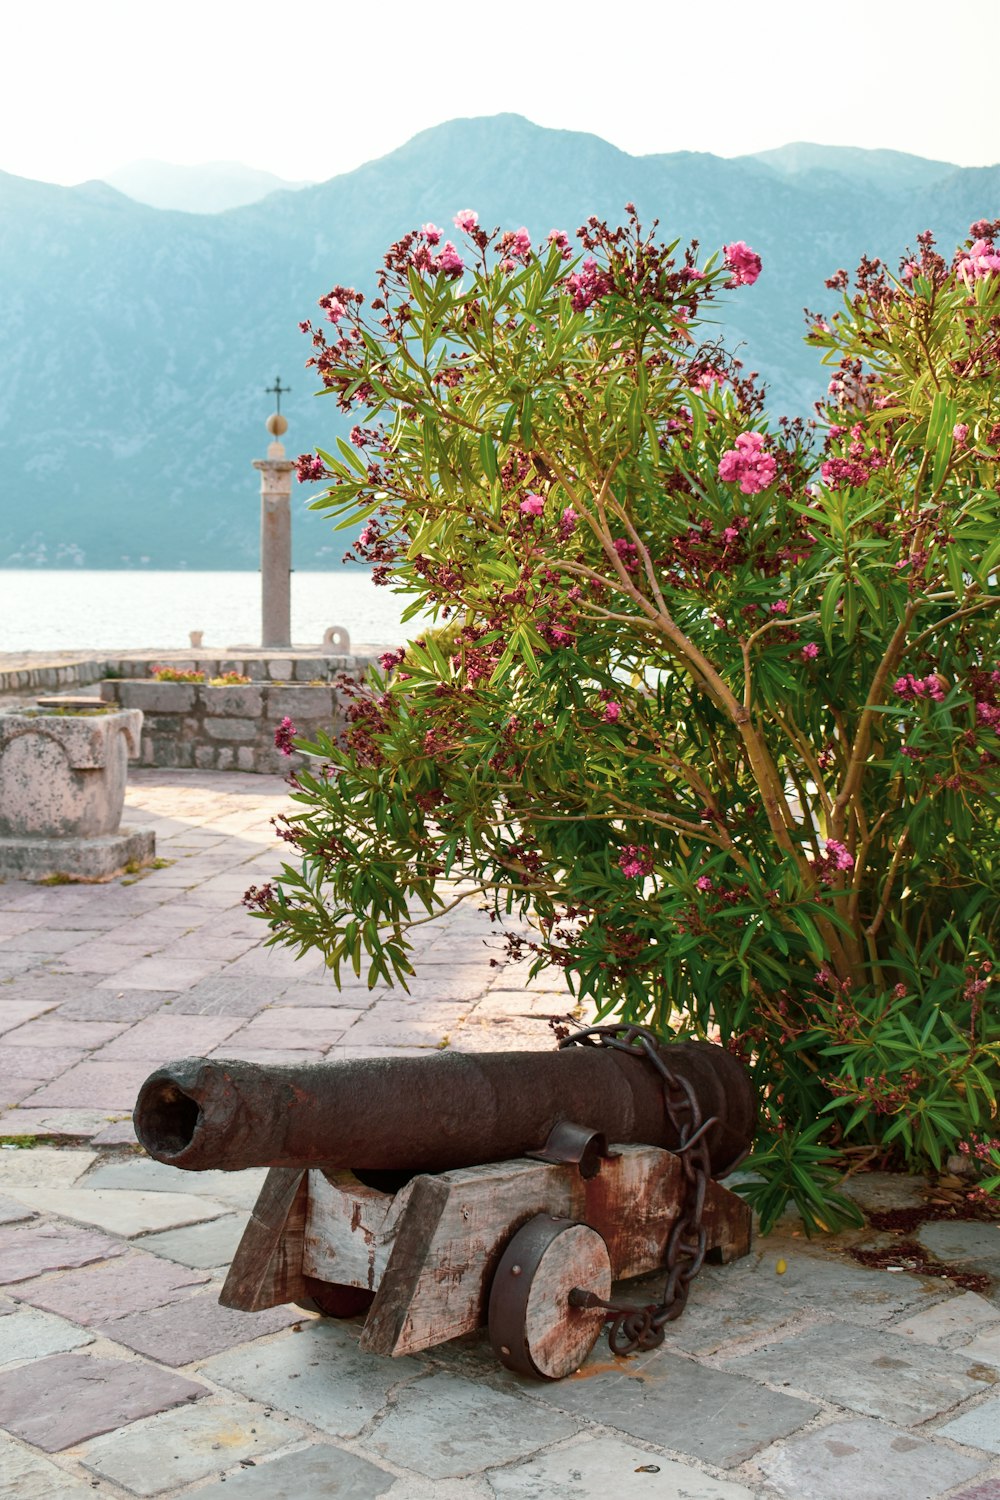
(277,390)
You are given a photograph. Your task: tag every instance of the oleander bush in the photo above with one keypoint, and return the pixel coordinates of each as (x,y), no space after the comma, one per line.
(717,702)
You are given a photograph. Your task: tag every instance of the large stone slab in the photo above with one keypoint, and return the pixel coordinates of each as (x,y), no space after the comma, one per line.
(29,1476)
(43,1166)
(223,996)
(203,1245)
(877,1374)
(984,1348)
(318,1375)
(978,1428)
(41,1063)
(964,1242)
(12,1212)
(194,1328)
(676,1403)
(142,1174)
(320,1472)
(111,1005)
(122,1213)
(177,1447)
(854,1459)
(447,1426)
(31,1249)
(162,973)
(966,1314)
(55,1031)
(27,1334)
(94,1085)
(605,1466)
(58,1402)
(161,1035)
(112,1289)
(823,1284)
(53,1124)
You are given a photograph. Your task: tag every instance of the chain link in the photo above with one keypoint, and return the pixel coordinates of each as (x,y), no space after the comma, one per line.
(632,1327)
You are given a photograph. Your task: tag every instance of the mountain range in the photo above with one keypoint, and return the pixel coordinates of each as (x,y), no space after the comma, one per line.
(207,188)
(136,342)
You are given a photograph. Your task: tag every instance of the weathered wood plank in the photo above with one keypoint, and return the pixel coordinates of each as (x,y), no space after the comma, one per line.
(350,1229)
(728,1220)
(267,1266)
(432,1249)
(393,1305)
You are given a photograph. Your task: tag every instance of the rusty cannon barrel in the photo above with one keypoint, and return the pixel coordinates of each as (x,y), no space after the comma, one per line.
(433,1113)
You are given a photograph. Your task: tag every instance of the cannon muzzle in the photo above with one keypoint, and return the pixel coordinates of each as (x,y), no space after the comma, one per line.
(432,1113)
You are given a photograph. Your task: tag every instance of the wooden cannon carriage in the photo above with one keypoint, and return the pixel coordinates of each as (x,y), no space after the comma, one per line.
(440,1193)
(502,1245)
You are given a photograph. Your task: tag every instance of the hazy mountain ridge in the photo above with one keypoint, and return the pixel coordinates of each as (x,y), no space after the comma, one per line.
(210,187)
(135,343)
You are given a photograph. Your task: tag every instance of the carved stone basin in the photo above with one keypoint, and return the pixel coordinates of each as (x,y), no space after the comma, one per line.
(62,789)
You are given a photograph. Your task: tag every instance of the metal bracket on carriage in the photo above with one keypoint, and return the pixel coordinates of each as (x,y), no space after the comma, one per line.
(570,1144)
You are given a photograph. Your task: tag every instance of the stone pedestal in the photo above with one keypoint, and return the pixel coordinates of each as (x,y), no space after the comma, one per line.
(275,546)
(62,789)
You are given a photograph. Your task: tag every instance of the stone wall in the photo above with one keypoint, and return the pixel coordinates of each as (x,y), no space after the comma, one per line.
(193,725)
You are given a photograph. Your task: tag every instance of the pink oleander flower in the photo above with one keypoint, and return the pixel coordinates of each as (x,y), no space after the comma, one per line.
(560,239)
(522,242)
(979,261)
(914,688)
(567,521)
(635,861)
(960,432)
(779,607)
(335,309)
(744,263)
(835,857)
(910,270)
(612,712)
(450,261)
(466,219)
(284,734)
(704,883)
(532,505)
(810,652)
(747,465)
(431,233)
(309,467)
(587,285)
(710,377)
(691,273)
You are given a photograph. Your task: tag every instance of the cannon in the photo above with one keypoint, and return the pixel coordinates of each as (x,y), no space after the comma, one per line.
(436,1194)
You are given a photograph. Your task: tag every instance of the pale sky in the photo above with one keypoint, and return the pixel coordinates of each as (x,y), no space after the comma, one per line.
(311,88)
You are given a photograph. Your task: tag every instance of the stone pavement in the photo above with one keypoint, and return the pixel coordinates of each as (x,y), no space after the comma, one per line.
(793,1375)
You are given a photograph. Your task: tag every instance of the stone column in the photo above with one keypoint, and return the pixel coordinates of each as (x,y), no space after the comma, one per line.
(275,539)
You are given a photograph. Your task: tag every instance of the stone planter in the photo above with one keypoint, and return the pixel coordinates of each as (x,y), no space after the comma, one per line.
(62,788)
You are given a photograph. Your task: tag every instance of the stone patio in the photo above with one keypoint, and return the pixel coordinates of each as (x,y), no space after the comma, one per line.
(121,1376)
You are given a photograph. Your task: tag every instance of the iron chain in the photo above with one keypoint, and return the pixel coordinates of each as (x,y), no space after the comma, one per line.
(633,1327)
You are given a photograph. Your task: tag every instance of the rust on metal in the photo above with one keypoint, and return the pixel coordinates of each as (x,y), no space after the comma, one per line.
(433,1113)
(575,1145)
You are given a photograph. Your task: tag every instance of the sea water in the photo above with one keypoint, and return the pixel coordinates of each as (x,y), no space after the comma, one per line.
(47,609)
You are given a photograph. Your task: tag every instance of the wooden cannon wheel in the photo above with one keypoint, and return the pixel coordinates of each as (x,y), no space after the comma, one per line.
(533,1328)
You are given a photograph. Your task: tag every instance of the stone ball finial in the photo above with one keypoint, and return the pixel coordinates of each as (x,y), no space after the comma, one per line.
(276,424)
